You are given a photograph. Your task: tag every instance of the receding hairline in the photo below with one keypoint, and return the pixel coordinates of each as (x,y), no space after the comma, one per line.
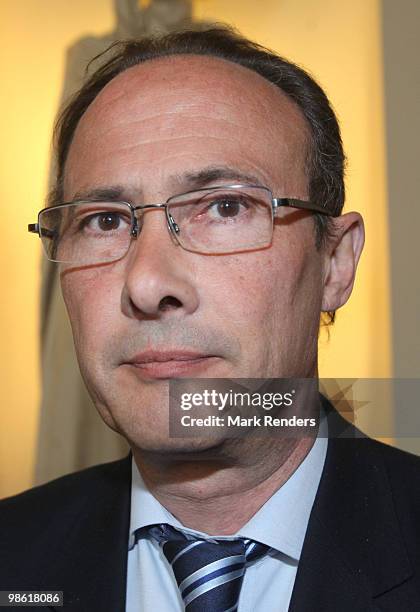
(277,105)
(278,94)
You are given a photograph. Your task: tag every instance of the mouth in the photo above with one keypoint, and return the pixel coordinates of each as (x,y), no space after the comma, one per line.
(163,365)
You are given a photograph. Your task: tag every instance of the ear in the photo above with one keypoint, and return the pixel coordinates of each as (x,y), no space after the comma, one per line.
(341,256)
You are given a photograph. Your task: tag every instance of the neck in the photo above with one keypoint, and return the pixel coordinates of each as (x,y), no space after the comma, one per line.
(219,489)
(219,492)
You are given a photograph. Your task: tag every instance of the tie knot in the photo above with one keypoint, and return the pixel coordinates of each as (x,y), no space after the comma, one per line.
(209,571)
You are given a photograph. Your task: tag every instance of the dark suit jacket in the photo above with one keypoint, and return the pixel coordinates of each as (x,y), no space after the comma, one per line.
(361,551)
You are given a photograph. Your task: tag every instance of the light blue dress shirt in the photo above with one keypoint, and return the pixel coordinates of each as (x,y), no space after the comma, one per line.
(280,523)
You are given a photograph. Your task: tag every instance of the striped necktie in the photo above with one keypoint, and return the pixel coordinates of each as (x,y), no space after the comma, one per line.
(209,572)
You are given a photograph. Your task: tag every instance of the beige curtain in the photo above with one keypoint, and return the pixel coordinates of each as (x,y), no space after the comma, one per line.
(71,434)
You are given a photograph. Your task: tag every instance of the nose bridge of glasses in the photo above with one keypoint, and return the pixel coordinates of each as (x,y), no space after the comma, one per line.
(171,224)
(144,206)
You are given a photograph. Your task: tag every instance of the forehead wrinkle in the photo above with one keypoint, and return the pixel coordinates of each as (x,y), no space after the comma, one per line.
(129,139)
(253,113)
(254,169)
(194,127)
(146,80)
(165,119)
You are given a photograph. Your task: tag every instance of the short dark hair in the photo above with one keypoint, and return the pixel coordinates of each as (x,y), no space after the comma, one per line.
(325,158)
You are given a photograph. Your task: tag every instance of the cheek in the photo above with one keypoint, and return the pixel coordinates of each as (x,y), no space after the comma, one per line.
(247,294)
(92,301)
(277,290)
(264,280)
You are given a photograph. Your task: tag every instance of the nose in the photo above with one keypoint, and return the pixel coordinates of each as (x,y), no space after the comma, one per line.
(159,279)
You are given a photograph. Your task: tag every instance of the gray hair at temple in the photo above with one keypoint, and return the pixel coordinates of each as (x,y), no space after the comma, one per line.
(325,156)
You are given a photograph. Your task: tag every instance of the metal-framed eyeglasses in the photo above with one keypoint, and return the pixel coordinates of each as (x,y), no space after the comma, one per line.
(212,220)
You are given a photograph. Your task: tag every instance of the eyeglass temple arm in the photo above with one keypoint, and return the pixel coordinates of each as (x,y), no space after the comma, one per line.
(34,228)
(295,203)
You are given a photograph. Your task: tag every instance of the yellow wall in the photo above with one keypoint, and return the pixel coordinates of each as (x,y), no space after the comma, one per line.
(34,37)
(338,41)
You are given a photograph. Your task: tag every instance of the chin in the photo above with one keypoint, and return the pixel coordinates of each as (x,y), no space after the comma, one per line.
(179,448)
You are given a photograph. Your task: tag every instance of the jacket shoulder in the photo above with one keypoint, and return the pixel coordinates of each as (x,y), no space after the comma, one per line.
(403,471)
(400,462)
(58,524)
(62,496)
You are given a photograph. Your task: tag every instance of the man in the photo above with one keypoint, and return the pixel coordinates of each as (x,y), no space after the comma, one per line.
(226,280)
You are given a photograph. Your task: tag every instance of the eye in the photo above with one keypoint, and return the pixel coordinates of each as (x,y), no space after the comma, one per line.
(108,221)
(105,221)
(227,206)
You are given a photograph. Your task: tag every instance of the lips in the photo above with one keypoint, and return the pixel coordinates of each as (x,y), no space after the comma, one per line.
(161,364)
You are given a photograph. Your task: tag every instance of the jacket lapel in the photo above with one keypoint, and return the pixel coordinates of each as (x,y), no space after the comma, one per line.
(91,565)
(353,554)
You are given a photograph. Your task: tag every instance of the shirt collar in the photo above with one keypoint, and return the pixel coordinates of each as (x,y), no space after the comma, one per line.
(280,523)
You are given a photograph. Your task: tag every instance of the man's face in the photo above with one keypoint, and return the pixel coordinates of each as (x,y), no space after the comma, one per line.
(163,312)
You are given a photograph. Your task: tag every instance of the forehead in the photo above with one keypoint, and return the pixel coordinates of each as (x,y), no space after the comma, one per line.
(184,107)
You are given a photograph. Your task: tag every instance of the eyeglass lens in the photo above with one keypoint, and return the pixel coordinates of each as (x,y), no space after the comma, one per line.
(214,221)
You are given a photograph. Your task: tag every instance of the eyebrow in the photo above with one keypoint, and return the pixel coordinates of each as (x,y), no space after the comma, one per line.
(111,194)
(188,180)
(216,173)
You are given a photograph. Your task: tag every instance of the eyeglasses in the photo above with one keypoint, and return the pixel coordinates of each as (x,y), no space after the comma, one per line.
(213,220)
